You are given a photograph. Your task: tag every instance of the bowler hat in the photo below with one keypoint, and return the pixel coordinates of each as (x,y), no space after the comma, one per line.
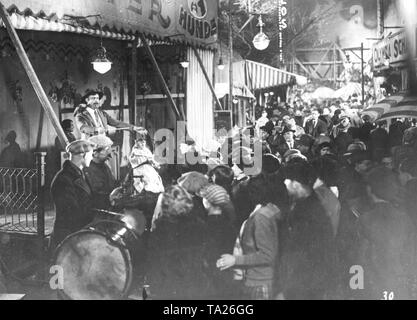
(91,92)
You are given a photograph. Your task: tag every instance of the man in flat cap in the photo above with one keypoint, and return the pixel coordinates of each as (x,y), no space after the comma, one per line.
(98,174)
(91,120)
(71,194)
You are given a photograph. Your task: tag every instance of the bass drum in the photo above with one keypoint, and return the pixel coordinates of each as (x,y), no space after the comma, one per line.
(97,261)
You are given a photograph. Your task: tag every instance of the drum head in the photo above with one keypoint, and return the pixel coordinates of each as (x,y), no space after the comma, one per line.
(94,268)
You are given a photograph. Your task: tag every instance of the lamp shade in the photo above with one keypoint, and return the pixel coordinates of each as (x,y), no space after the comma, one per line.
(100,63)
(185,64)
(261,41)
(102,66)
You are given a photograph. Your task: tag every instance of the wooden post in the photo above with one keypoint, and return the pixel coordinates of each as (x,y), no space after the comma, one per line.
(161,77)
(133,83)
(34,80)
(363,76)
(200,62)
(230,101)
(40,168)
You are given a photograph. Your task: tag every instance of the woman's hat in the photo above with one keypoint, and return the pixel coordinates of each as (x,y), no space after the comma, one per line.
(193,182)
(215,194)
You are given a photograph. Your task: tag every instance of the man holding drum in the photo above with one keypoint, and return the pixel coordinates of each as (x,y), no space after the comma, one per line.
(71,194)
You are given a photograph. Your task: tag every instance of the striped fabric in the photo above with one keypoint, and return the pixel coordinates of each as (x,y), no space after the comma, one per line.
(21,22)
(396,106)
(262,76)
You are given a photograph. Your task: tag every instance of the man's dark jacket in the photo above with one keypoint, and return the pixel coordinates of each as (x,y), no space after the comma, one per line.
(102,183)
(72,198)
(316,131)
(307,264)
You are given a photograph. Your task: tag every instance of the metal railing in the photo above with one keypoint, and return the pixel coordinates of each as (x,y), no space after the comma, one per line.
(22,199)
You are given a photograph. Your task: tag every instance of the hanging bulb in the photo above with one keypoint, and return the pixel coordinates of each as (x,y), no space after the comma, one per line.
(220,65)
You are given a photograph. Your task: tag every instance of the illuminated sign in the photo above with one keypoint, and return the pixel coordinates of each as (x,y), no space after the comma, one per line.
(283,24)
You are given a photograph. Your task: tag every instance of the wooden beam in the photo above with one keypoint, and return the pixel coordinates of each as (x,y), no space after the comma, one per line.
(133,70)
(303,67)
(160,76)
(324,63)
(200,62)
(34,80)
(316,69)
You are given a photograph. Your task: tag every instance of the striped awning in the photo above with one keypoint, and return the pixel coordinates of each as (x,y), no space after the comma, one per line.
(404,109)
(262,76)
(396,106)
(22,22)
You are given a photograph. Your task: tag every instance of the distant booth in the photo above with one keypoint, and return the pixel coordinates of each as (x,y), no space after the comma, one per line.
(162,55)
(267,84)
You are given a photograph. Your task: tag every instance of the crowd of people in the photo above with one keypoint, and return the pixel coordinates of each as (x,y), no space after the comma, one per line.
(335,192)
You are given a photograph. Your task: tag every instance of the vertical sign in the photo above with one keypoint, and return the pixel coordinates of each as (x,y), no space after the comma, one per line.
(283,24)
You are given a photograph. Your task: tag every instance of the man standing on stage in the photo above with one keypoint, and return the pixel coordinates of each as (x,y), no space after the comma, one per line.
(92,121)
(98,173)
(71,194)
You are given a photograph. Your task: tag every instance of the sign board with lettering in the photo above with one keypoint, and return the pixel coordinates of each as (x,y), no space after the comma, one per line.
(193,21)
(391,50)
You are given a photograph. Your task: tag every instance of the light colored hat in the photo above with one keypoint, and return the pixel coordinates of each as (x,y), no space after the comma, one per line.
(101,141)
(215,194)
(79,146)
(193,182)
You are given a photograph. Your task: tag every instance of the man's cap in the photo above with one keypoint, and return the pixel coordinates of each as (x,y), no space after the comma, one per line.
(324,145)
(215,194)
(80,146)
(268,127)
(101,141)
(92,92)
(288,129)
(293,153)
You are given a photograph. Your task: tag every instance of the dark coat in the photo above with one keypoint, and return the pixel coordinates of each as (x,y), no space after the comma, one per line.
(86,123)
(221,236)
(307,264)
(72,198)
(319,129)
(102,183)
(283,147)
(176,259)
(379,143)
(388,252)
(342,142)
(396,133)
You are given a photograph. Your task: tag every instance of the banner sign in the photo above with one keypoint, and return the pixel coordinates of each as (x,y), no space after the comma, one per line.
(193,21)
(391,50)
